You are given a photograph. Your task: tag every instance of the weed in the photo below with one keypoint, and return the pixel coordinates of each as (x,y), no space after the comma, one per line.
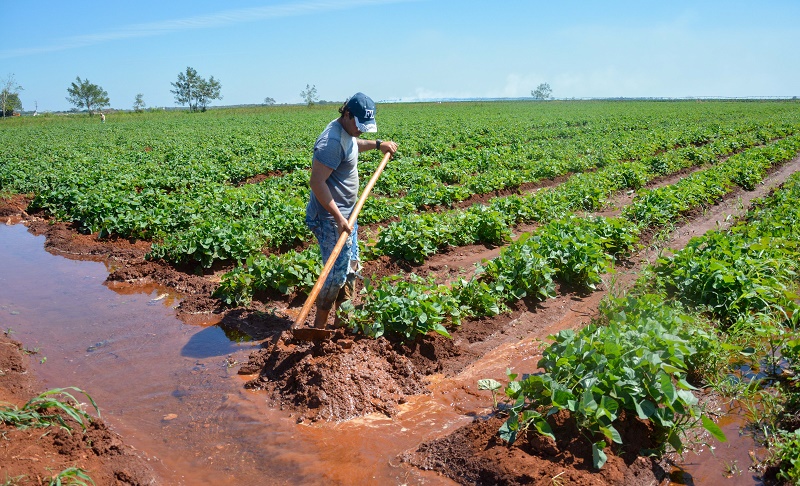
(662,237)
(35,413)
(786,447)
(11,481)
(731,469)
(71,475)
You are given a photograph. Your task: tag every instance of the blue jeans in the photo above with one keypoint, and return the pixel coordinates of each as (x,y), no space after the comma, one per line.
(343,274)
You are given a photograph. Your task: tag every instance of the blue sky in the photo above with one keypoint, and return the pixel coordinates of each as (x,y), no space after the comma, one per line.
(401,49)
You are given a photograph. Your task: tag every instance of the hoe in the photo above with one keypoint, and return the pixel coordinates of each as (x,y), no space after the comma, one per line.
(300,331)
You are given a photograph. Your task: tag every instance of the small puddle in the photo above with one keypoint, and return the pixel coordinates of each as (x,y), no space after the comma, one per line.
(728,463)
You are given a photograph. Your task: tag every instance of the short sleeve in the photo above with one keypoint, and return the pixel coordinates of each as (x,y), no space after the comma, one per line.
(329,152)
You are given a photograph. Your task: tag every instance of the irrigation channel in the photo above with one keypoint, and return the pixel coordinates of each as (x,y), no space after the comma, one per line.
(170,388)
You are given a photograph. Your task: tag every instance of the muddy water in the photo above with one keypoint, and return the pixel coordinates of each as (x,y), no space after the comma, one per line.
(723,463)
(171,388)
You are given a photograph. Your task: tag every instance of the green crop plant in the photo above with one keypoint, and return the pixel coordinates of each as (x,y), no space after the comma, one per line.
(520,271)
(236,286)
(284,273)
(731,277)
(405,308)
(637,362)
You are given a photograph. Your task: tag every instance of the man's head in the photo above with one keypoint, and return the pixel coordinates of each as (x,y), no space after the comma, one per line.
(362,109)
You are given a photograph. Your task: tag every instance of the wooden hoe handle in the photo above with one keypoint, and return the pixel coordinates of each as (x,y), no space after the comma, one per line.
(301,318)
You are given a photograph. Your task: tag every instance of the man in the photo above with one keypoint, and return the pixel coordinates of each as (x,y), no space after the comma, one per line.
(334,193)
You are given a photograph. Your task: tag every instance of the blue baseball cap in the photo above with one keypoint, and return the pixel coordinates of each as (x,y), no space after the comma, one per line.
(362,108)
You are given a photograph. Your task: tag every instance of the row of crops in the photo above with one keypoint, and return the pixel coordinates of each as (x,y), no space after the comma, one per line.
(728,300)
(492,223)
(183,181)
(571,250)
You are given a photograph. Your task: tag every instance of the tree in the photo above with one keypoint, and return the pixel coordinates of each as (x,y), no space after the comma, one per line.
(138,103)
(83,93)
(193,90)
(309,94)
(207,91)
(542,92)
(10,103)
(269,101)
(9,96)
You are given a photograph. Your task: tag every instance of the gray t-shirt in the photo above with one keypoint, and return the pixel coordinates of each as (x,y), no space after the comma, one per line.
(338,150)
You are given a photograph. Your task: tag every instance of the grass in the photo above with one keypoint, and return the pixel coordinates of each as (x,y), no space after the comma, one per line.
(42,410)
(48,410)
(11,481)
(71,475)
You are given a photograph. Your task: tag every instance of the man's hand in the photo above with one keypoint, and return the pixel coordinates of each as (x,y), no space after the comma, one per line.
(388,146)
(343,225)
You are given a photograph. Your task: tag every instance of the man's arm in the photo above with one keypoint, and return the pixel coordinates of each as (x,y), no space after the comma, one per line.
(319,174)
(386,146)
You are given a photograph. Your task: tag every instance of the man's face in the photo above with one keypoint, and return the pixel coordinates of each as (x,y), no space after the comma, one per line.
(350,126)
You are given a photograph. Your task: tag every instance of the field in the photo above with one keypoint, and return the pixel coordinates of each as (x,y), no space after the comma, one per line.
(633,265)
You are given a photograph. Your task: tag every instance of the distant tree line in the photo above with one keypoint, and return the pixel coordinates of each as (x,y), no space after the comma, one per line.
(190,89)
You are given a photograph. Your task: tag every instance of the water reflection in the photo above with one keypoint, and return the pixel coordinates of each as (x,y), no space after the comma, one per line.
(210,342)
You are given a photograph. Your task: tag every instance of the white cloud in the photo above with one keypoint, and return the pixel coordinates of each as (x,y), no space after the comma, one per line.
(219,19)
(518,86)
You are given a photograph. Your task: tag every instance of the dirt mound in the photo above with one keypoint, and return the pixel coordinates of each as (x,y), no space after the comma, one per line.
(34,455)
(65,239)
(336,379)
(12,210)
(474,454)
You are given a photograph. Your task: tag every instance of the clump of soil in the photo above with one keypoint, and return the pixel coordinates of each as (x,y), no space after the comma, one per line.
(12,210)
(474,454)
(336,379)
(33,456)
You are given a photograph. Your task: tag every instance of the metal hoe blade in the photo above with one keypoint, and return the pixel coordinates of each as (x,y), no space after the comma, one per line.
(311,334)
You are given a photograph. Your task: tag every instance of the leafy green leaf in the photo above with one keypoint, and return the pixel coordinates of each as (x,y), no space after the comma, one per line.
(713,428)
(489,384)
(599,457)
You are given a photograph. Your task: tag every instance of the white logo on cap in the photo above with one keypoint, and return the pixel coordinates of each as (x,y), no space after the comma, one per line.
(369,114)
